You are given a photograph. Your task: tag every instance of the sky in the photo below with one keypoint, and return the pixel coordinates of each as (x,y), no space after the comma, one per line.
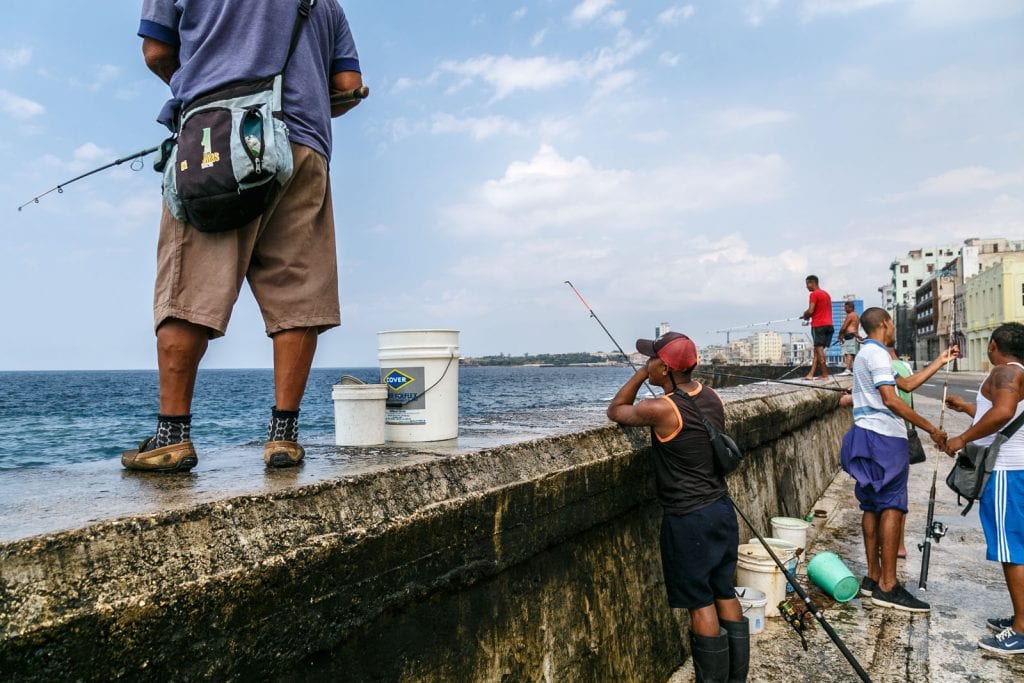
(688,162)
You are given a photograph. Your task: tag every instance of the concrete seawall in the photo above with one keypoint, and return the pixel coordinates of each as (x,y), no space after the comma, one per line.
(530,561)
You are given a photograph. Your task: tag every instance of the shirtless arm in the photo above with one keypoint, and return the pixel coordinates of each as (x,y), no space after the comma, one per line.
(918,378)
(1005,388)
(345,81)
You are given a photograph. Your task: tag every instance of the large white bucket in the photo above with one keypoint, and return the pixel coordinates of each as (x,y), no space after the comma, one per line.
(753,602)
(358,413)
(784,549)
(756,569)
(421,371)
(791,529)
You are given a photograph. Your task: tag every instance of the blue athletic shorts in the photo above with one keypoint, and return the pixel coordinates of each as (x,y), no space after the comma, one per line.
(881,467)
(1002,516)
(698,555)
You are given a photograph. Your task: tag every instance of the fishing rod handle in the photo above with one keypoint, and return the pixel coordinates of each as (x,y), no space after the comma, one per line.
(346,96)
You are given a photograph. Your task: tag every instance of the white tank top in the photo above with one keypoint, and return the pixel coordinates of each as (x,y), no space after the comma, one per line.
(1011,453)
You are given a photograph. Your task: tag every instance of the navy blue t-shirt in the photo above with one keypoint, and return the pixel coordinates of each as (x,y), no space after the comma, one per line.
(230,40)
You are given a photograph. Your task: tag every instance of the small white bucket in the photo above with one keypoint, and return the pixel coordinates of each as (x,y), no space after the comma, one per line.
(791,529)
(753,603)
(421,371)
(756,568)
(786,552)
(358,413)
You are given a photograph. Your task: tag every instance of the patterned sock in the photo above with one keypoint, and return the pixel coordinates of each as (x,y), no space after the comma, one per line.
(172,429)
(284,425)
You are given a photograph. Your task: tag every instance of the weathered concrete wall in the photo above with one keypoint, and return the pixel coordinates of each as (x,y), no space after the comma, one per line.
(536,561)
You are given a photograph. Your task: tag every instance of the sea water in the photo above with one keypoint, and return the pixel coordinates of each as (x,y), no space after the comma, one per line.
(55,418)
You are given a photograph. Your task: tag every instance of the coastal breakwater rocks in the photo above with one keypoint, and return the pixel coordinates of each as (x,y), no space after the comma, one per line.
(529,561)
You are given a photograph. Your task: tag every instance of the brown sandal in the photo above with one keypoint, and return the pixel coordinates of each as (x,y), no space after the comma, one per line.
(178,457)
(283,454)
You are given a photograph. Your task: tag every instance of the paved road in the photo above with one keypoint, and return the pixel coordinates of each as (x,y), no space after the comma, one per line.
(961,384)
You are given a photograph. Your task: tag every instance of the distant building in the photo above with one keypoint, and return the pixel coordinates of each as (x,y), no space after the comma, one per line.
(766,348)
(910,272)
(661,329)
(993,297)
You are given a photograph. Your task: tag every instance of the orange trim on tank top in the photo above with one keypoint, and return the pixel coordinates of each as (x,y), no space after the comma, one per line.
(679,415)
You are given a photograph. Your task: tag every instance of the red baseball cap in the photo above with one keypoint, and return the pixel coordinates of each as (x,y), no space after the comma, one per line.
(677,350)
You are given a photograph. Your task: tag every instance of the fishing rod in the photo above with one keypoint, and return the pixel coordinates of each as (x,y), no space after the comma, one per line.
(934,529)
(811,606)
(716,373)
(59,189)
(594,316)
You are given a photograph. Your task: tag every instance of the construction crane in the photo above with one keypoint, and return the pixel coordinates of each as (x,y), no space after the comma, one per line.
(729,330)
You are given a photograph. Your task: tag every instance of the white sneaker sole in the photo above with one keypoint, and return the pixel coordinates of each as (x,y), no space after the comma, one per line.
(1000,651)
(882,603)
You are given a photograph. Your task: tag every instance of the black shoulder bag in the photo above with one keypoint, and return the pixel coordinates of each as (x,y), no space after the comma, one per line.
(728,455)
(232,152)
(914,447)
(974,465)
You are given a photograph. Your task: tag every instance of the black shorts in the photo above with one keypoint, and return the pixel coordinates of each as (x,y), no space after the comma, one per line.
(698,555)
(822,336)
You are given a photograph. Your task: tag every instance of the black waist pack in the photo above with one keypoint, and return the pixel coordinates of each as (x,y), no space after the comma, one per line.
(232,152)
(974,465)
(728,455)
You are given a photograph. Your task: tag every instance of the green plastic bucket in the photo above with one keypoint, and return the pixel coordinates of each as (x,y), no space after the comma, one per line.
(829,573)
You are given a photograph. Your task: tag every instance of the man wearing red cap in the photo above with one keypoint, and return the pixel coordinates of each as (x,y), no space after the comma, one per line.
(695,500)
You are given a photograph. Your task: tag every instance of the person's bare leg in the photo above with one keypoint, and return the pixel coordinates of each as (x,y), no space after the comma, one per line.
(819,351)
(1014,574)
(889,537)
(814,363)
(293,356)
(704,621)
(180,346)
(869,525)
(902,551)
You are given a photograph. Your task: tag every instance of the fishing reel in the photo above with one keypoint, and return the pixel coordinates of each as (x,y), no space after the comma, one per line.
(797,619)
(936,531)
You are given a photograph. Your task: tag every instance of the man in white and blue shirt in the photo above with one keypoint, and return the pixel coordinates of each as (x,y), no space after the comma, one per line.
(875,454)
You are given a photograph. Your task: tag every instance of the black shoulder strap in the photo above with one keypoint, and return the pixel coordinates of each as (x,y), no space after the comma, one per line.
(303,13)
(711,429)
(1010,429)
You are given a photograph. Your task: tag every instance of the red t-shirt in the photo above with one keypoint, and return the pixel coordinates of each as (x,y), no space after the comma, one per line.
(822,315)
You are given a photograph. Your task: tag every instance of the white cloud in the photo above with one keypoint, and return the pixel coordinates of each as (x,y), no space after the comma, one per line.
(478,128)
(614,83)
(741,119)
(15,59)
(757,10)
(519,13)
(82,158)
(676,14)
(19,107)
(615,18)
(670,58)
(552,195)
(952,13)
(588,10)
(538,37)
(954,83)
(969,179)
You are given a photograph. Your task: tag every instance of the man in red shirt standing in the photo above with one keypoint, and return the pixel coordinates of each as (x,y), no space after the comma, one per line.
(819,312)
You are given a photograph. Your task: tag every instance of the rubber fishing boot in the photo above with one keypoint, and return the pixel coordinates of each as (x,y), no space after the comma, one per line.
(710,657)
(739,648)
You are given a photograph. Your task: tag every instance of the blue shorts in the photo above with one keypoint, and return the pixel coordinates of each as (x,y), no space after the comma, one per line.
(1002,516)
(698,555)
(881,467)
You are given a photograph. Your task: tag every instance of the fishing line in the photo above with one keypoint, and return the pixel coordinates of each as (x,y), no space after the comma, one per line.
(594,316)
(715,373)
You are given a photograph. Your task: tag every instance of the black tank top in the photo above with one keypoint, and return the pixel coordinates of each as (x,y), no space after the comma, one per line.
(684,463)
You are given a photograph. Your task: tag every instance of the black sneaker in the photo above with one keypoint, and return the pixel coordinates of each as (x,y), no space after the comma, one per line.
(999,624)
(898,598)
(867,586)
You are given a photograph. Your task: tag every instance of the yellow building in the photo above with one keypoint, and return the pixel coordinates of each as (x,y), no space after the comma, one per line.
(992,297)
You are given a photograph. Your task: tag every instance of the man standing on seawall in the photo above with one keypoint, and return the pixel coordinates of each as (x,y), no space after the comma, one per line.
(288,254)
(819,312)
(695,500)
(849,337)
(1001,508)
(875,454)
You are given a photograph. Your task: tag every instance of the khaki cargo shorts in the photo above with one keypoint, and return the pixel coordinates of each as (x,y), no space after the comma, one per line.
(287,256)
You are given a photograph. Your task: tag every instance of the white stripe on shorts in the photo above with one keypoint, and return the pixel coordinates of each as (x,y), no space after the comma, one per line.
(1002,545)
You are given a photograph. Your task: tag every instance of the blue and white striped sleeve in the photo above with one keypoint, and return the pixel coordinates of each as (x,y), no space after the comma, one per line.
(880,367)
